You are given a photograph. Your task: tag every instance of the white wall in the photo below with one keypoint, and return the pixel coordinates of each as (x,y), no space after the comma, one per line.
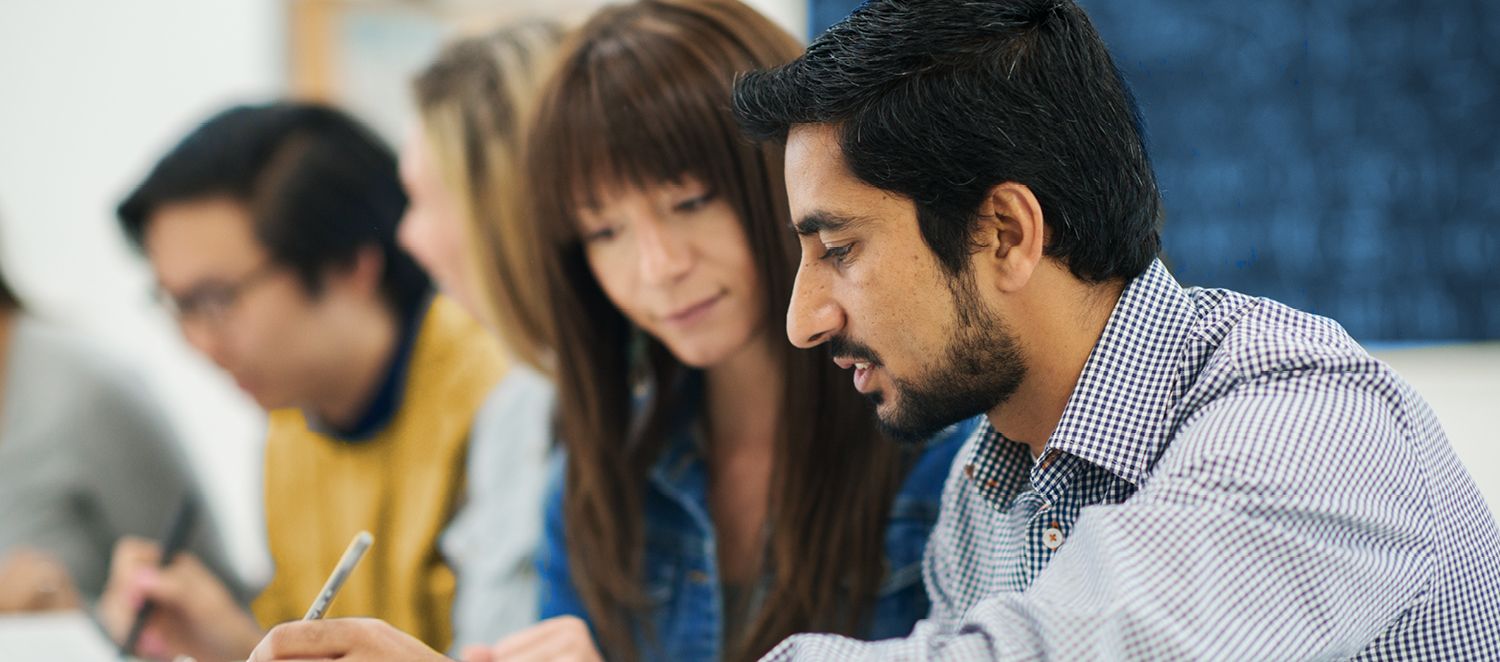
(790,14)
(91,93)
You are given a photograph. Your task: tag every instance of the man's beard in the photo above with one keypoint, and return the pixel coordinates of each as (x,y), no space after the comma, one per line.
(981,368)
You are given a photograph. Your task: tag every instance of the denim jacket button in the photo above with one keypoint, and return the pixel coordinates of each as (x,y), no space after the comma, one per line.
(698,577)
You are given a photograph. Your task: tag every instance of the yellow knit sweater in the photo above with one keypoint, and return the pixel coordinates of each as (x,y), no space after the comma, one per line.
(402,485)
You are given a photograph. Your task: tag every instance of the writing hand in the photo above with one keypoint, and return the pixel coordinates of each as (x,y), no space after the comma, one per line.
(195,615)
(343,639)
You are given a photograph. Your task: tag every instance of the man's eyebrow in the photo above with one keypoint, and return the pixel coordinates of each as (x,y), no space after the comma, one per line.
(819,221)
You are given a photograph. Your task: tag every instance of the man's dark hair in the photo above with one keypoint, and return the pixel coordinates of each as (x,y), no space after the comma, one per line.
(318,185)
(941,101)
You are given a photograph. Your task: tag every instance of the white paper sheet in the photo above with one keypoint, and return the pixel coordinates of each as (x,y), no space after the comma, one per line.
(69,636)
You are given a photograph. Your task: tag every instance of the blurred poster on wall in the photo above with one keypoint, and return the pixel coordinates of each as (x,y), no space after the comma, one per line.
(361,55)
(1337,156)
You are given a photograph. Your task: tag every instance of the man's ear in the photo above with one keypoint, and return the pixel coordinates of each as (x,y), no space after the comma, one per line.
(360,276)
(1011,235)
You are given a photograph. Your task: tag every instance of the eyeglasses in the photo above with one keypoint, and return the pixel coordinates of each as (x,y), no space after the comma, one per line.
(210,302)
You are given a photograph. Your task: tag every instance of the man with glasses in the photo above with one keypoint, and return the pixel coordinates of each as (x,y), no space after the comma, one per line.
(272,234)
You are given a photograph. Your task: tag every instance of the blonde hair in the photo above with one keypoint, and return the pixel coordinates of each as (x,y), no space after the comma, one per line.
(475,101)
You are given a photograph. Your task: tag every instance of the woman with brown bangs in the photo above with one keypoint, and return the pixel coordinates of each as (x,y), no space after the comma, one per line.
(722,489)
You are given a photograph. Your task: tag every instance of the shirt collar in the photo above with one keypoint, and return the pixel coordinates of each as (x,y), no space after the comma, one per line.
(1114,417)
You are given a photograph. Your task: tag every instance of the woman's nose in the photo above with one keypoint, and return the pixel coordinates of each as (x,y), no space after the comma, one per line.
(665,257)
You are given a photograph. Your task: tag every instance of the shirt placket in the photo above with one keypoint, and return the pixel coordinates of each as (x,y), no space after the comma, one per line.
(1051,519)
(1024,492)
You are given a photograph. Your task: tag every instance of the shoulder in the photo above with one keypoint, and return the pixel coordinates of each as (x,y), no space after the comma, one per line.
(90,412)
(556,487)
(1284,359)
(514,420)
(452,370)
(521,399)
(1283,394)
(453,351)
(1245,338)
(510,440)
(64,375)
(63,355)
(554,530)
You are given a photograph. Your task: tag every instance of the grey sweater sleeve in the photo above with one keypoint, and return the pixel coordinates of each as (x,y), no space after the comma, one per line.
(86,456)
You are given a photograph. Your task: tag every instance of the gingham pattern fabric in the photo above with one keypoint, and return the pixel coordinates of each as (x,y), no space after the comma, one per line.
(1231,480)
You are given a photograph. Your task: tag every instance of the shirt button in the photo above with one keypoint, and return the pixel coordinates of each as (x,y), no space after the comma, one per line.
(1052,538)
(698,577)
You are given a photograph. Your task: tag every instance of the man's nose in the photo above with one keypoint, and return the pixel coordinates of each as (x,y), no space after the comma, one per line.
(205,340)
(813,316)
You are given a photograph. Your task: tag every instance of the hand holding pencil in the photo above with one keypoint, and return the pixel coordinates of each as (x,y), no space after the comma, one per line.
(346,639)
(195,615)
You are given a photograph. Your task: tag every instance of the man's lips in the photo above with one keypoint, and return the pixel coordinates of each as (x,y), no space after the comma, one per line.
(847,362)
(863,371)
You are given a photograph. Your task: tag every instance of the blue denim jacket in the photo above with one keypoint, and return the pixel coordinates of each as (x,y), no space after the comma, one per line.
(681,560)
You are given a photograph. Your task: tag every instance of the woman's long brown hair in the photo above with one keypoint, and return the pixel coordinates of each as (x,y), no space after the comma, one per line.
(641,97)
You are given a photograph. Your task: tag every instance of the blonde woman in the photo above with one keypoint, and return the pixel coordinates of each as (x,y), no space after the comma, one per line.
(462,225)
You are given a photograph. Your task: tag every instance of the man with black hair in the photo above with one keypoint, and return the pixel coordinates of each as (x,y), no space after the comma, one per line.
(1167,473)
(272,234)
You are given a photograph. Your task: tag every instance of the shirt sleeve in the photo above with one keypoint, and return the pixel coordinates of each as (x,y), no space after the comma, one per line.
(1286,521)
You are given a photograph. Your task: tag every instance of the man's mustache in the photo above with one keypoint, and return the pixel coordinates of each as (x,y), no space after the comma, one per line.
(843,347)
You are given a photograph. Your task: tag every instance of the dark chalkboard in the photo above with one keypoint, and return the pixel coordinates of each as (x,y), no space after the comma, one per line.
(1340,156)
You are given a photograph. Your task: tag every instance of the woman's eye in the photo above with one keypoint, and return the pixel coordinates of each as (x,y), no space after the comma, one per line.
(600,235)
(694,204)
(837,253)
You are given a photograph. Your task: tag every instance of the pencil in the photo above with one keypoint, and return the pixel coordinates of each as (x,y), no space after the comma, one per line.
(351,557)
(174,542)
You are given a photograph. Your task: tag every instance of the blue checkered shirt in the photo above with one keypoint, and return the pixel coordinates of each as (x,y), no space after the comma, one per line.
(1231,480)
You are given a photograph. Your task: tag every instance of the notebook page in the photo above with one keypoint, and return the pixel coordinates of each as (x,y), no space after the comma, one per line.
(69,636)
